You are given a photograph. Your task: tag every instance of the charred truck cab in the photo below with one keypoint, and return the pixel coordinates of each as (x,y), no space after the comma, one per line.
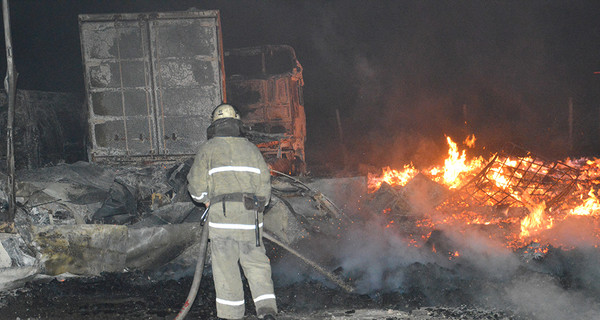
(265,83)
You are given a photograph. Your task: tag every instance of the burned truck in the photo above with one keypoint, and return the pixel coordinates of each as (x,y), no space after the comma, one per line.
(152,80)
(266,84)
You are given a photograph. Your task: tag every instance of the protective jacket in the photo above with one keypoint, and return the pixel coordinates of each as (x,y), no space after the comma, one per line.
(224,171)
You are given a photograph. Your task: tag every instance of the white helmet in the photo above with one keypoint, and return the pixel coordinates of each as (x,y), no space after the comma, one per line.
(225,111)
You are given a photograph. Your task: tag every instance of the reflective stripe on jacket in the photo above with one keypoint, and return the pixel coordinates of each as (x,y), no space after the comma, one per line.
(229,165)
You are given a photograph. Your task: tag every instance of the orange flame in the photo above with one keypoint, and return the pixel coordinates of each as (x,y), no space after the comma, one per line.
(470,141)
(392,177)
(536,221)
(590,206)
(450,174)
(515,227)
(455,166)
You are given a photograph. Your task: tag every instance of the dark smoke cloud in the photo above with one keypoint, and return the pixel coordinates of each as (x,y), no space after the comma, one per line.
(410,67)
(398,72)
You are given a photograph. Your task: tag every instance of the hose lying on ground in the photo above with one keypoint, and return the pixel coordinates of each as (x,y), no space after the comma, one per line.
(311,263)
(197,275)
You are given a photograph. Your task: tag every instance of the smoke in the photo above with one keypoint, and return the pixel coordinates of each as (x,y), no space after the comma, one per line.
(540,297)
(378,254)
(486,256)
(403,75)
(486,274)
(573,232)
(395,70)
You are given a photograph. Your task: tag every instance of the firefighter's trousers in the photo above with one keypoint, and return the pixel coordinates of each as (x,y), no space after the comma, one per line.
(227,255)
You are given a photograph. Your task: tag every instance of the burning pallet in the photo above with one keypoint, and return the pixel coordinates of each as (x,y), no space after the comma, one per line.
(517,177)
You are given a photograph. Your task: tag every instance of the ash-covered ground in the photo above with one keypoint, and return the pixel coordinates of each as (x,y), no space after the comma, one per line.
(391,279)
(139,296)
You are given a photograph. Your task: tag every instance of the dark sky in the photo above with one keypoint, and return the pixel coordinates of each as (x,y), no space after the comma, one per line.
(401,73)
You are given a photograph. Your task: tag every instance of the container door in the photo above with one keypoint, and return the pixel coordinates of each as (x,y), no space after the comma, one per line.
(118,79)
(187,61)
(152,81)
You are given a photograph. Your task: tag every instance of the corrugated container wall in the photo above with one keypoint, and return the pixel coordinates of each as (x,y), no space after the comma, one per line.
(152,81)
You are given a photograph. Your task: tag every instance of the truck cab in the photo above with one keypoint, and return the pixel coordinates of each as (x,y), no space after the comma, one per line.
(265,84)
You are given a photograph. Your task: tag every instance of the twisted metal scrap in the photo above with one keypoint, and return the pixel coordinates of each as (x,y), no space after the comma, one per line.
(510,177)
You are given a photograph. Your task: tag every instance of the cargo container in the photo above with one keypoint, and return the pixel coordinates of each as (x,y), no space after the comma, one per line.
(152,81)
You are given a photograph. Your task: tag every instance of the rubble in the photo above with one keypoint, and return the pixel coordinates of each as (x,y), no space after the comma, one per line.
(87,218)
(418,195)
(16,265)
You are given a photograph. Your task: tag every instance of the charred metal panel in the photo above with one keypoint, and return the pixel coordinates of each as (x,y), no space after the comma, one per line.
(152,80)
(265,84)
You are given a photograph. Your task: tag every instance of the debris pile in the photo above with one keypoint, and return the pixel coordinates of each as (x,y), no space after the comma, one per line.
(86,218)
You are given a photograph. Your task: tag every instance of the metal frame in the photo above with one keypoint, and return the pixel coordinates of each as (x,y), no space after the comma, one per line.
(523,173)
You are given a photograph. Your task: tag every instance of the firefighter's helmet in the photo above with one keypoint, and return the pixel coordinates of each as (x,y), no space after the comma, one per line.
(225,111)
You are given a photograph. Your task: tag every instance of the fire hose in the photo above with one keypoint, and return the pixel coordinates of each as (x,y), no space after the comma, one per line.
(311,263)
(199,268)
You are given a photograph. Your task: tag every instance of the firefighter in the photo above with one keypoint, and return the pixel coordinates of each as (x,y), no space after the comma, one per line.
(231,177)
